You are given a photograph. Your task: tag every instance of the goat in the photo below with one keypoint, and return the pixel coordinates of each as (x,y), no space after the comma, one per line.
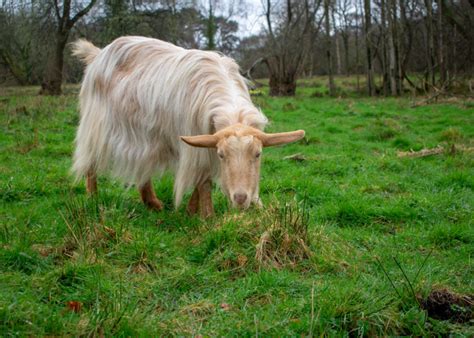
(140,96)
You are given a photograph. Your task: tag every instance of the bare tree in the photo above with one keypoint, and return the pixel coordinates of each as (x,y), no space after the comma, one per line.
(64,23)
(289,42)
(346,17)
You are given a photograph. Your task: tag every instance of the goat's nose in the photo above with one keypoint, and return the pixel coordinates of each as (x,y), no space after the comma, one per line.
(240,197)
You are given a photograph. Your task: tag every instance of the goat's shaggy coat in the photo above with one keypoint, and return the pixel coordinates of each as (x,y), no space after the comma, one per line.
(139,95)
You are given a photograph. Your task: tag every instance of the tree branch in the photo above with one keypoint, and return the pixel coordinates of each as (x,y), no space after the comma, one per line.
(56,9)
(81,13)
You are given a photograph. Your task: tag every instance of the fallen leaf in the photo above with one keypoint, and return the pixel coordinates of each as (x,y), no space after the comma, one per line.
(74,306)
(225,307)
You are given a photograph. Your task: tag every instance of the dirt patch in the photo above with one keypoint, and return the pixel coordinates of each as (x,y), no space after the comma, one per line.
(443,304)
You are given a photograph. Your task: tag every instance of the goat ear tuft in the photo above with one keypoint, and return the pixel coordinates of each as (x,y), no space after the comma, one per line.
(275,139)
(201,141)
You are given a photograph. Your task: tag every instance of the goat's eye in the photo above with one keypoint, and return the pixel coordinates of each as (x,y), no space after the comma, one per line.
(257,155)
(221,155)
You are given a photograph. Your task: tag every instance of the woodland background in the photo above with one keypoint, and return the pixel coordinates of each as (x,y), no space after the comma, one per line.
(394,46)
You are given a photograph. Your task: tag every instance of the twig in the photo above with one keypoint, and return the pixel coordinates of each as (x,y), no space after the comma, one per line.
(421,153)
(428,99)
(435,151)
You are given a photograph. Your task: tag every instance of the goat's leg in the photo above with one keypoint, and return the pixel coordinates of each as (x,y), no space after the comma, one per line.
(193,204)
(91,182)
(148,196)
(205,199)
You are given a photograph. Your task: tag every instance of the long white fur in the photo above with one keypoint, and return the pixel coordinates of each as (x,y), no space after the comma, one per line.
(139,95)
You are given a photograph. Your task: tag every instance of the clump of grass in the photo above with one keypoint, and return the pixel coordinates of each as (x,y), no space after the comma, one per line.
(289,106)
(310,140)
(448,236)
(21,259)
(451,135)
(142,264)
(285,242)
(401,143)
(384,129)
(88,232)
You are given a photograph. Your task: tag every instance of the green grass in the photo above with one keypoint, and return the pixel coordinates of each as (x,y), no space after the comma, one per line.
(361,218)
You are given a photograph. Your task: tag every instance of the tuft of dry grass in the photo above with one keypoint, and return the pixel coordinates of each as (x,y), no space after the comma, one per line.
(285,242)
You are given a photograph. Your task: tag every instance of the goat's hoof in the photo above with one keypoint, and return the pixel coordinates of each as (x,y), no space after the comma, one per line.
(191,212)
(206,214)
(155,205)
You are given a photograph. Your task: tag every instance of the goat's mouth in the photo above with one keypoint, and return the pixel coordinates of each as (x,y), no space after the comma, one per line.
(239,206)
(240,199)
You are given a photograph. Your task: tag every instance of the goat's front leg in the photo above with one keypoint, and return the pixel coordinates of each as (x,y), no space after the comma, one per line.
(205,199)
(148,196)
(201,200)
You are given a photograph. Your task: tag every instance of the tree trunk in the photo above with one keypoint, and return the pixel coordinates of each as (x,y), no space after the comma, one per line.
(442,66)
(368,26)
(430,42)
(405,34)
(337,43)
(332,89)
(282,86)
(396,37)
(211,29)
(386,84)
(393,71)
(357,67)
(282,81)
(345,42)
(54,71)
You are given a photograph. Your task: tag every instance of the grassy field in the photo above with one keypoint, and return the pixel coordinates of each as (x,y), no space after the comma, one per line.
(354,240)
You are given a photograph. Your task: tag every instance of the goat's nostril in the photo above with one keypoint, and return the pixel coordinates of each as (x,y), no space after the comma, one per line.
(240,198)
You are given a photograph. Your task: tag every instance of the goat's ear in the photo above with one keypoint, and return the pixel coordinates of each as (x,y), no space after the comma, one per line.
(276,139)
(202,141)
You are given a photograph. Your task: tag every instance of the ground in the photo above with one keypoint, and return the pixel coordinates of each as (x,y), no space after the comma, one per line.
(353,239)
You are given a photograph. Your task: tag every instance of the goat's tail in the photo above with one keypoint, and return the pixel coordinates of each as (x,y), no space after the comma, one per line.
(85,51)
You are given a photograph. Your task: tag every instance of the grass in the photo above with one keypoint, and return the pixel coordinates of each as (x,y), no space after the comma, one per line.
(352,239)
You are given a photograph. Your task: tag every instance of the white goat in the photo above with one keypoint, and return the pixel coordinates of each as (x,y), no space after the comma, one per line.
(139,95)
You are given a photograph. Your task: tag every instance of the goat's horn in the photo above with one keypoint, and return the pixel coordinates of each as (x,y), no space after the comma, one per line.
(281,138)
(202,141)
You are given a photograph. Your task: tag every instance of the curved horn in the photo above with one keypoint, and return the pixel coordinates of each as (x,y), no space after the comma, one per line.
(202,141)
(281,138)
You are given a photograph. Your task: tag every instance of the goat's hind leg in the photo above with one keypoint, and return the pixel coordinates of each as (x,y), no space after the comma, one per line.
(148,196)
(91,182)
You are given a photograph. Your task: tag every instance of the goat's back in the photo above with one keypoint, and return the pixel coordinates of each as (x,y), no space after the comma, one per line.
(140,94)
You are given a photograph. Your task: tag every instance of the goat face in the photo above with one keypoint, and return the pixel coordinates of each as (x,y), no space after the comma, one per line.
(239,148)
